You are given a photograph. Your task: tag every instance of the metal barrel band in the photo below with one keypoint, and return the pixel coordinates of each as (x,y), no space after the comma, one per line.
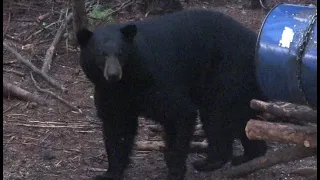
(302,47)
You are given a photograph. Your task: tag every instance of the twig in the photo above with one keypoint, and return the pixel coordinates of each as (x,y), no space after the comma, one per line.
(44,16)
(50,51)
(41,26)
(8,23)
(11,107)
(54,95)
(16,91)
(52,126)
(86,131)
(47,122)
(13,71)
(8,62)
(35,69)
(12,38)
(12,137)
(24,115)
(37,32)
(52,123)
(97,169)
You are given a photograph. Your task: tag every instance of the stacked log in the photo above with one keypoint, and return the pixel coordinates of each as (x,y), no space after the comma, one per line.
(284,123)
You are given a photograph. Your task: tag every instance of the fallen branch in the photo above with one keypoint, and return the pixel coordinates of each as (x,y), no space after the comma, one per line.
(160,146)
(53,82)
(288,110)
(49,54)
(158,128)
(270,159)
(289,133)
(54,95)
(10,89)
(96,169)
(13,71)
(198,135)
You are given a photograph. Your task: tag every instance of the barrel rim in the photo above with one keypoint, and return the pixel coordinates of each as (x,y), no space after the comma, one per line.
(261,28)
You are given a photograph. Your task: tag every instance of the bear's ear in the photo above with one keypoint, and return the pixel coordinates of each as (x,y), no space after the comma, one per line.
(83,37)
(129,32)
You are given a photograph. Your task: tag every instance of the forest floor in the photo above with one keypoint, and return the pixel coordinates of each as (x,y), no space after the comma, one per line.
(41,142)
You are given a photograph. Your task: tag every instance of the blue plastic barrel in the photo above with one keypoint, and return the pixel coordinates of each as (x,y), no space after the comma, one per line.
(286,54)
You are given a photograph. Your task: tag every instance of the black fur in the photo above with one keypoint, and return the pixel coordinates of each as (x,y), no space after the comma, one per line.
(173,66)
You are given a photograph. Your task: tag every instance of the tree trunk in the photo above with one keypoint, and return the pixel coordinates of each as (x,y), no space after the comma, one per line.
(79,18)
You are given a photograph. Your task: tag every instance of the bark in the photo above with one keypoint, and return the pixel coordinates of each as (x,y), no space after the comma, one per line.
(286,110)
(288,133)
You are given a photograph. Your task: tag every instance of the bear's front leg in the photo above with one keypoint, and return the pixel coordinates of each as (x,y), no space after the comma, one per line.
(177,138)
(118,134)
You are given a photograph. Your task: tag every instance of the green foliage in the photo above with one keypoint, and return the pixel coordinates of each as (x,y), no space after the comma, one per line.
(100,13)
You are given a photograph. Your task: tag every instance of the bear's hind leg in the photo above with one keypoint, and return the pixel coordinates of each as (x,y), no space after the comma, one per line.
(219,138)
(252,149)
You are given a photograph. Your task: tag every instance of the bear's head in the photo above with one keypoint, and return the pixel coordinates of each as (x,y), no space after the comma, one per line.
(109,47)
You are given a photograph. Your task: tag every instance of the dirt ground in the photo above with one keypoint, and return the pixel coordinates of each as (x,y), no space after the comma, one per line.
(53,142)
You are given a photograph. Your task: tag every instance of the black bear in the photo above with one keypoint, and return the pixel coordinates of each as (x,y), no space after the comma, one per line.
(167,69)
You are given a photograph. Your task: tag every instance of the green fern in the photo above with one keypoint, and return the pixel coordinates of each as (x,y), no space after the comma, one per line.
(100,13)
